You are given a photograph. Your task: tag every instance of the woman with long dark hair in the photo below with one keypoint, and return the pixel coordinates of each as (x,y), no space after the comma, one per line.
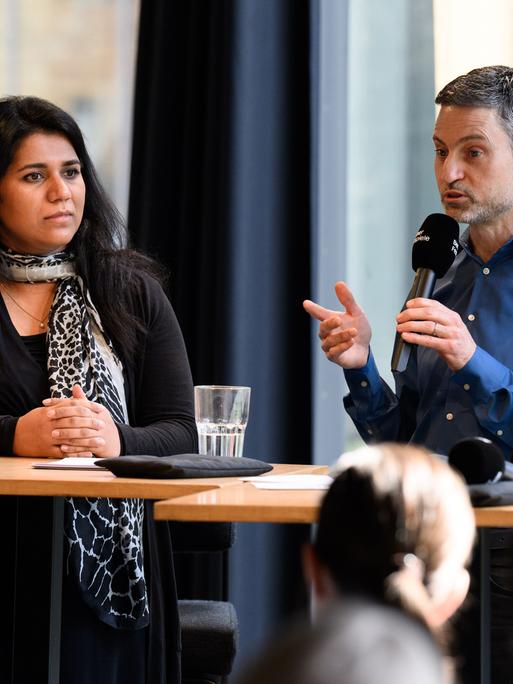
(92,361)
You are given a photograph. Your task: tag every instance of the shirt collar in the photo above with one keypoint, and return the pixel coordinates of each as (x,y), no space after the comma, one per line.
(503,254)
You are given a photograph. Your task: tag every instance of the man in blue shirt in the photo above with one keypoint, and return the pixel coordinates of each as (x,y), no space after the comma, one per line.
(459,383)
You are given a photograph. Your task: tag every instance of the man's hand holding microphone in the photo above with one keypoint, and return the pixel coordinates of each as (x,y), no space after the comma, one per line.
(345,336)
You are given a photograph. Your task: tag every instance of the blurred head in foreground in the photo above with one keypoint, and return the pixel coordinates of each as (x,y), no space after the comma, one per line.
(360,643)
(396,526)
(387,568)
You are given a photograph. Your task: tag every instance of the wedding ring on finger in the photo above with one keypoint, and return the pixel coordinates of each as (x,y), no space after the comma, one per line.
(433,334)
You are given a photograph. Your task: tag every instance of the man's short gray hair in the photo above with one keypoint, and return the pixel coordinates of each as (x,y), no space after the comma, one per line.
(490,86)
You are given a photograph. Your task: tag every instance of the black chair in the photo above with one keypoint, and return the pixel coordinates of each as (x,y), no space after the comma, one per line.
(208,620)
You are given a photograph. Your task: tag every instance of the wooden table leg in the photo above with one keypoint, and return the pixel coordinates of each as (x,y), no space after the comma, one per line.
(54,646)
(485,604)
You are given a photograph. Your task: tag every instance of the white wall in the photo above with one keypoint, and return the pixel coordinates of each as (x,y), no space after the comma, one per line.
(470,34)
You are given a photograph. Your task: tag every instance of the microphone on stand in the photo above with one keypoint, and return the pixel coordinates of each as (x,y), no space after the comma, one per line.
(434,249)
(480,461)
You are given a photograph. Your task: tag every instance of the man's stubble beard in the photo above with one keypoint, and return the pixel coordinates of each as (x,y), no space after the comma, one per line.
(481,213)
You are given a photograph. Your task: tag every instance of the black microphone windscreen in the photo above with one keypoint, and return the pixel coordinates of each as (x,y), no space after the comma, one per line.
(436,244)
(478,459)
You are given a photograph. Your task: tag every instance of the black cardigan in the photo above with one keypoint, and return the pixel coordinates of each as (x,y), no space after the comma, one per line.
(158,381)
(158,386)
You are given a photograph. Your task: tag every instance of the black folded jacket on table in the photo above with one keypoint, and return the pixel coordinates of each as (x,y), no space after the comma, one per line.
(183,466)
(491,494)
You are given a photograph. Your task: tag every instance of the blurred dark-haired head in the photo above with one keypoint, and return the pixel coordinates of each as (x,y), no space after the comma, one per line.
(396,525)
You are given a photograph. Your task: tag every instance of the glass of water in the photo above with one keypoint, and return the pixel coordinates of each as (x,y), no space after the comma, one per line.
(221,418)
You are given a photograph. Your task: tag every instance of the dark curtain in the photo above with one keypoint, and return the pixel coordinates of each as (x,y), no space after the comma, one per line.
(220,194)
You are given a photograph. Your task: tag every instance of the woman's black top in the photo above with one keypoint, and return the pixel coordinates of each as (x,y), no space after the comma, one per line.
(159,394)
(36,347)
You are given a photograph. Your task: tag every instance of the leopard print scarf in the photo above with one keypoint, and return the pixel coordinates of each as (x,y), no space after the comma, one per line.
(104,536)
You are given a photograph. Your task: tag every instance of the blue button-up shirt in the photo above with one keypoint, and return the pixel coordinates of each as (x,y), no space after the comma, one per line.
(433,405)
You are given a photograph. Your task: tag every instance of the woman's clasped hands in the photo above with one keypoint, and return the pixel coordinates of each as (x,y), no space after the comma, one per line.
(71,426)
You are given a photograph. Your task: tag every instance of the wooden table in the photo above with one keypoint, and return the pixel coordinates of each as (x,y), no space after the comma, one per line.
(215,499)
(19,479)
(243,502)
(207,499)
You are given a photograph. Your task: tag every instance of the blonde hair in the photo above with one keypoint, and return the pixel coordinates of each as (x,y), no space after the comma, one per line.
(397,523)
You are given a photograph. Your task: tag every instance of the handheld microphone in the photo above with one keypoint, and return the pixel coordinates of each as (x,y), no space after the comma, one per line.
(479,460)
(434,249)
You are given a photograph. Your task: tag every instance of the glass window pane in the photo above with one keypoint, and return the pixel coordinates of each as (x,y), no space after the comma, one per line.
(79,54)
(391,185)
(385,114)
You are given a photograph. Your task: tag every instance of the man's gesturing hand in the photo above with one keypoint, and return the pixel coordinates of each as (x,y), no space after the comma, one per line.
(345,335)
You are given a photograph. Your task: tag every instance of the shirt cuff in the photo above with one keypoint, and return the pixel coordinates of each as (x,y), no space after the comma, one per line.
(122,432)
(361,381)
(7,429)
(482,375)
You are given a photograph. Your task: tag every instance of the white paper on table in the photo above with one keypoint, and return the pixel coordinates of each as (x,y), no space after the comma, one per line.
(69,463)
(290,481)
